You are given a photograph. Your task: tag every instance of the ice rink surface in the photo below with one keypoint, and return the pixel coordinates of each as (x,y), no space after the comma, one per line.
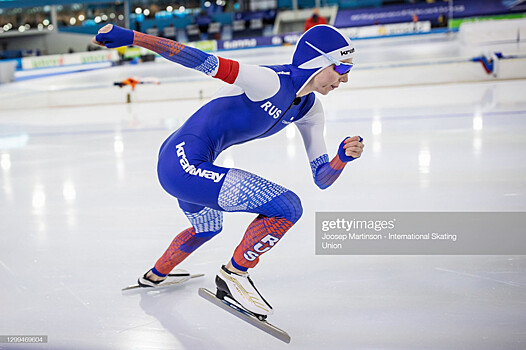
(83,215)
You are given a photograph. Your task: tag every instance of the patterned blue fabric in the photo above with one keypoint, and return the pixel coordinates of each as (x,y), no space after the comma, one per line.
(195,59)
(206,222)
(322,172)
(316,163)
(195,242)
(326,175)
(169,49)
(209,66)
(286,205)
(244,191)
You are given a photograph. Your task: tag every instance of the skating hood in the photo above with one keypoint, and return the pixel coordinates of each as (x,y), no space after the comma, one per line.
(307,62)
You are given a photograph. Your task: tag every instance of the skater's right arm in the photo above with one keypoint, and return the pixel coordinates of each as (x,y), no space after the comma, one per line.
(229,71)
(325,172)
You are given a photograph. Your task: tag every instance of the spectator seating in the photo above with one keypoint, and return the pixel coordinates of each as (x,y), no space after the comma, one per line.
(193,32)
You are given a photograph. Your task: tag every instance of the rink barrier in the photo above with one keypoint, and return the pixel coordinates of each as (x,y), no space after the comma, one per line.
(427,11)
(77,59)
(491,32)
(190,85)
(200,88)
(7,71)
(47,72)
(470,33)
(53,61)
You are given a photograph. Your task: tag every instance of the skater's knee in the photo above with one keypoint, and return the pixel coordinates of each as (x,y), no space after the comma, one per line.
(287,205)
(209,234)
(294,207)
(207,222)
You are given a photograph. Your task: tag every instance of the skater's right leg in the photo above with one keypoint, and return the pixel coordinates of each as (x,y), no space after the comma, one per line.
(278,208)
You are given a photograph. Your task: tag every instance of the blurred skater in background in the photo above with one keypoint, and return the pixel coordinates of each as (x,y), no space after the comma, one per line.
(132,82)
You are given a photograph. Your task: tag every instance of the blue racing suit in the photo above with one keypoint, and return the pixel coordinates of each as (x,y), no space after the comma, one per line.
(258,102)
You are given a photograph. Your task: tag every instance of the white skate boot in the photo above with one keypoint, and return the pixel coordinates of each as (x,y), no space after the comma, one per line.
(242,290)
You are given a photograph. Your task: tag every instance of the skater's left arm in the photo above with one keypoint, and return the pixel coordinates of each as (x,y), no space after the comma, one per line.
(227,70)
(325,172)
(112,36)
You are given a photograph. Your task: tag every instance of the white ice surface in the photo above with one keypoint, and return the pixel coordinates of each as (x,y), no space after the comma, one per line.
(82,215)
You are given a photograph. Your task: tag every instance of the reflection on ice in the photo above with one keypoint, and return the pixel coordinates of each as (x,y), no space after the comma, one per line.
(5,161)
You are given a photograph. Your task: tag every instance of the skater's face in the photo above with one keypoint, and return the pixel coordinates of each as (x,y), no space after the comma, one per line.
(328,79)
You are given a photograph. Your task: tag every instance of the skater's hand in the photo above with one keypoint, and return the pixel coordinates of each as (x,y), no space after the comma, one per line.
(111,36)
(351,148)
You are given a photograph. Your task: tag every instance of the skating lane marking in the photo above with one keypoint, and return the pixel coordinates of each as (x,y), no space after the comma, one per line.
(85,304)
(513,284)
(138,326)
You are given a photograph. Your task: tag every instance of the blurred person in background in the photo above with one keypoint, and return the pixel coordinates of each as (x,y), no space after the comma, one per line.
(314,20)
(442,20)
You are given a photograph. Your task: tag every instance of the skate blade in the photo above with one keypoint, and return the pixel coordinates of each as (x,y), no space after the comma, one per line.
(245,315)
(185,278)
